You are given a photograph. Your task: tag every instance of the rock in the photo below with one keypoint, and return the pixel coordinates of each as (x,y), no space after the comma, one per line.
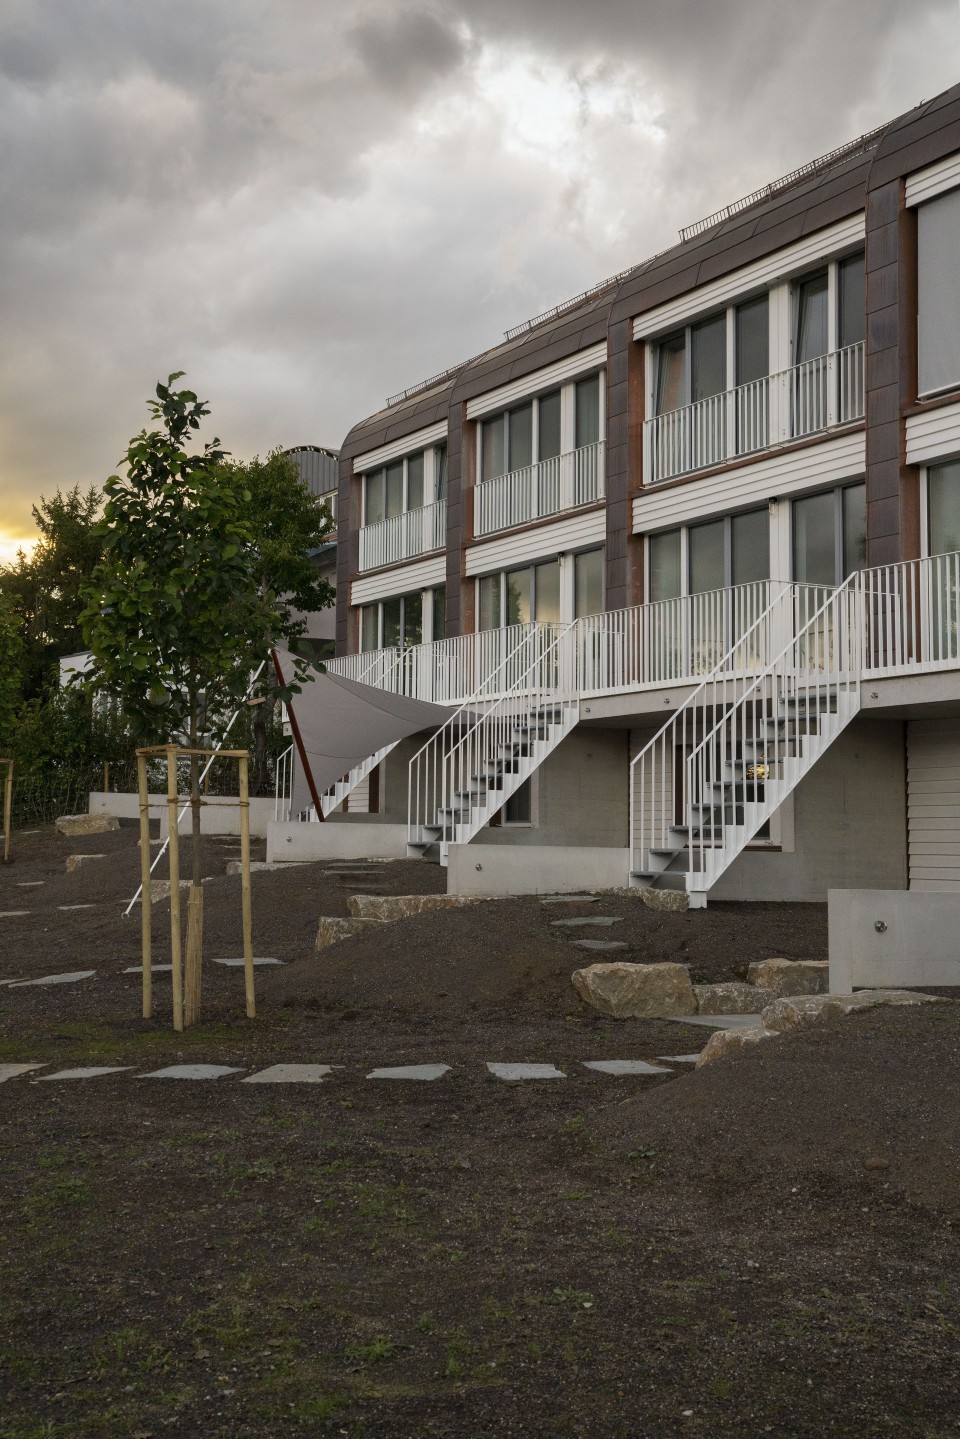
(732,998)
(401,906)
(160,890)
(636,991)
(73,824)
(794,1011)
(790,976)
(672,899)
(74,861)
(875,1161)
(330,929)
(728,1041)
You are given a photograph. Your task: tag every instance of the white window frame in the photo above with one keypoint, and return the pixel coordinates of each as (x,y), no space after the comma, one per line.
(568,417)
(431,471)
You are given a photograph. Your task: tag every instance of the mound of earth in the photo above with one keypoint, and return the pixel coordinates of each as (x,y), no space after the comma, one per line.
(868,1100)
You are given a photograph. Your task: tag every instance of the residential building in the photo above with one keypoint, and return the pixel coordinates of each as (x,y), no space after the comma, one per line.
(681,556)
(320,472)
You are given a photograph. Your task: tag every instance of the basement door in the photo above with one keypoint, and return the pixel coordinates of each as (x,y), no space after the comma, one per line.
(933,804)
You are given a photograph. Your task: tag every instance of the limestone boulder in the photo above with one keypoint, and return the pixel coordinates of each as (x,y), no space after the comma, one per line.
(636,991)
(790,976)
(402,906)
(74,861)
(669,899)
(732,998)
(331,929)
(731,1041)
(795,1011)
(70,825)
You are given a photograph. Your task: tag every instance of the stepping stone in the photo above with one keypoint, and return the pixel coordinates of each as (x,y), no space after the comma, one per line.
(74,861)
(71,978)
(154,969)
(424,1072)
(10,1071)
(623,1066)
(29,883)
(28,831)
(92,1073)
(14,913)
(238,963)
(354,873)
(76,906)
(192,1071)
(525,1071)
(718,1021)
(569,899)
(292,1074)
(597,919)
(679,1058)
(601,944)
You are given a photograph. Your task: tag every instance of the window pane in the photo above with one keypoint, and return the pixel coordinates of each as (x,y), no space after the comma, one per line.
(391,623)
(709,358)
(706,557)
(944,508)
(812,318)
(854,528)
(547,579)
(548,424)
(440,613)
(415,481)
(517,809)
(938,281)
(814,540)
(753,341)
(751,547)
(853,302)
(588,583)
(665,565)
(440,466)
(518,597)
(588,412)
(493,447)
(489,604)
(671,374)
(369,618)
(394,490)
(412,619)
(521,437)
(373,510)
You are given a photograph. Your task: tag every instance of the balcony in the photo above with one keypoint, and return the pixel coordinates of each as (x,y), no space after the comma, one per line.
(801,401)
(547,488)
(403,537)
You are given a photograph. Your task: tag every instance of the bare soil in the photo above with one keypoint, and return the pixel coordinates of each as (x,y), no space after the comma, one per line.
(768,1245)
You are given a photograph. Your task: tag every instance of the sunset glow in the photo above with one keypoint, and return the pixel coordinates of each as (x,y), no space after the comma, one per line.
(9,545)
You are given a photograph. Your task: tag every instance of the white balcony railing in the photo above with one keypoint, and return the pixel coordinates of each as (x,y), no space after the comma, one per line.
(562,483)
(403,537)
(800,401)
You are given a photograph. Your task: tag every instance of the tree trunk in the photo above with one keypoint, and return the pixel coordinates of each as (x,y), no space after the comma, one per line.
(261,771)
(191,1006)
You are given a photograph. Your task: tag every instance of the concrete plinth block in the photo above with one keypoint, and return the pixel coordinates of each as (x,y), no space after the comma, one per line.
(423,1072)
(92,1072)
(234,963)
(402,906)
(602,921)
(72,978)
(781,977)
(731,1041)
(11,1071)
(192,1071)
(569,899)
(604,945)
(332,928)
(71,825)
(732,998)
(74,861)
(636,991)
(623,1066)
(666,899)
(292,1074)
(515,1072)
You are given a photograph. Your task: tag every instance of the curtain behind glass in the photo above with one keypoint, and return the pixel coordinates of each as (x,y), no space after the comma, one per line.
(944,508)
(709,358)
(707,544)
(521,437)
(664,551)
(587,412)
(753,341)
(415,481)
(394,505)
(373,500)
(814,540)
(854,528)
(853,301)
(588,583)
(671,374)
(548,425)
(493,447)
(489,602)
(440,612)
(440,471)
(547,592)
(518,597)
(750,545)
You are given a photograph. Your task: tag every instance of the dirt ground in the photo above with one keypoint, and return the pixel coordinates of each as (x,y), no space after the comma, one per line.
(768,1245)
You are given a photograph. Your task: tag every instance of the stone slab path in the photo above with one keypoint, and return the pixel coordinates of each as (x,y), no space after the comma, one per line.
(72,978)
(604,920)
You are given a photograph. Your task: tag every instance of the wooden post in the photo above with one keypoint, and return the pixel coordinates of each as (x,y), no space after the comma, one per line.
(146,913)
(7,808)
(245,884)
(106,776)
(191,987)
(176,956)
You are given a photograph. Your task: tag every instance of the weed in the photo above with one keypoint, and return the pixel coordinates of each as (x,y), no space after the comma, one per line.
(581,1298)
(374,1353)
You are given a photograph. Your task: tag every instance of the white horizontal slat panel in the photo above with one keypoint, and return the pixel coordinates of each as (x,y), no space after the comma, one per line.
(569,368)
(782,473)
(406,445)
(778,266)
(933,180)
(399,581)
(578,532)
(933,804)
(934,435)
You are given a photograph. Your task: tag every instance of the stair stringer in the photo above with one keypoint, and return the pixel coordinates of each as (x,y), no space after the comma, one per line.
(337,793)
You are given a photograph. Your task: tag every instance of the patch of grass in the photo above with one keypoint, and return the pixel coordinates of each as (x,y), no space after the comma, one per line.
(375,1352)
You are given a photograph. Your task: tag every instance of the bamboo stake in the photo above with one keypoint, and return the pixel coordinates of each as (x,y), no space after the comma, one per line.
(245,885)
(146,915)
(191,1000)
(7,808)
(106,776)
(174,841)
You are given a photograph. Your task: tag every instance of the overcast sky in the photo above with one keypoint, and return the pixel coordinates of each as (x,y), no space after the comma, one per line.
(309,205)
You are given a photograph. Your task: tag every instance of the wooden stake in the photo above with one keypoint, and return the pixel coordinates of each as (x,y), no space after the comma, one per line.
(176,956)
(106,776)
(146,914)
(7,809)
(191,998)
(245,885)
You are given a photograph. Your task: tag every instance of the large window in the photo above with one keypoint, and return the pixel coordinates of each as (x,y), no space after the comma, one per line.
(535,430)
(943,508)
(515,597)
(830,535)
(402,485)
(734,550)
(395,623)
(588,583)
(938,285)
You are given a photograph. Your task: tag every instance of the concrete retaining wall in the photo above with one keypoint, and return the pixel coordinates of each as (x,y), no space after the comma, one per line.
(369,840)
(918,945)
(535,869)
(220,813)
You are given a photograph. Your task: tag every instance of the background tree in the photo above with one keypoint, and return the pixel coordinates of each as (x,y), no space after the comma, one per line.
(11,674)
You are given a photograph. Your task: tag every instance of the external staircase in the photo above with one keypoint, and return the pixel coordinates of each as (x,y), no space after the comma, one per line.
(723,765)
(468,770)
(332,798)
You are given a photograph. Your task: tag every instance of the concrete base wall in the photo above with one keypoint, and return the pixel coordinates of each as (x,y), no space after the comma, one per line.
(220,813)
(291,841)
(918,945)
(535,869)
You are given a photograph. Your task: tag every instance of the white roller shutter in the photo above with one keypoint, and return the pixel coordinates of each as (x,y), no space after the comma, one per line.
(933,804)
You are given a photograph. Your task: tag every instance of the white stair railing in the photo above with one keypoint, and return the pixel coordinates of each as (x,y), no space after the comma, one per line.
(283,786)
(344,787)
